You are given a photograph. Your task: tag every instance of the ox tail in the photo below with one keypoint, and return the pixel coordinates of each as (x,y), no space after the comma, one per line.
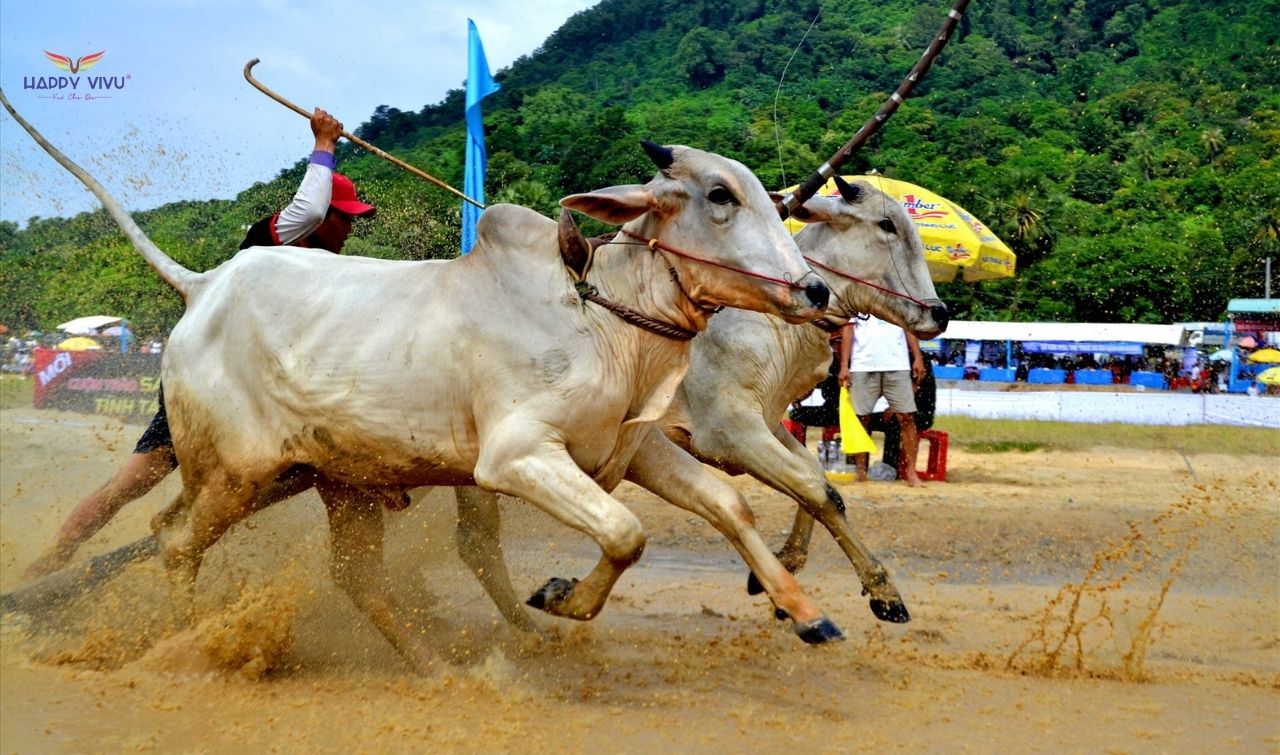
(174,274)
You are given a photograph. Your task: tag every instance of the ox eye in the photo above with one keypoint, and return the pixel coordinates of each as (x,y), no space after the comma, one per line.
(887,226)
(721,195)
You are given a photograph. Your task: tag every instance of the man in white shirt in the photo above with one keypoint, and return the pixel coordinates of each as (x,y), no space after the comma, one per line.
(877,359)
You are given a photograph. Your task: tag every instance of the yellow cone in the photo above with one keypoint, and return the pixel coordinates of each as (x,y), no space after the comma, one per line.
(853,436)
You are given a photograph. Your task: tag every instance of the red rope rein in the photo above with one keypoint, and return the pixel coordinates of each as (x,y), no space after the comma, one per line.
(653,244)
(866,282)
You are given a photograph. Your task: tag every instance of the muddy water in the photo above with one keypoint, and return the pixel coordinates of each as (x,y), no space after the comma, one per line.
(1100,601)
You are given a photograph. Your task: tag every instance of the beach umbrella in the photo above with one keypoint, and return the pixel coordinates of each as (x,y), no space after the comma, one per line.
(80,343)
(1221,355)
(995,258)
(954,240)
(1269,376)
(1265,356)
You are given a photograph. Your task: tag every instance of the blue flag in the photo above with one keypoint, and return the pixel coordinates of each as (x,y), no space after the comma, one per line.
(480,84)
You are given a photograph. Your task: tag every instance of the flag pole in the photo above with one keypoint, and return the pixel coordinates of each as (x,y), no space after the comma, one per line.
(480,84)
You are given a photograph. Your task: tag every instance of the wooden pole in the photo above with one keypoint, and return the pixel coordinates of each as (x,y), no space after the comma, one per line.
(815,181)
(361,143)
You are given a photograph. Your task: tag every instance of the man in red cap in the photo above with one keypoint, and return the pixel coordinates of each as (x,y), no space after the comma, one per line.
(321,213)
(319,217)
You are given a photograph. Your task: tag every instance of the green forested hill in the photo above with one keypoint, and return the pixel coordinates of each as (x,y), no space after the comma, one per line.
(1125,150)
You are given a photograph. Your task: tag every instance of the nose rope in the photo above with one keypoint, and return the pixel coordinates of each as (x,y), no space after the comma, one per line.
(589,293)
(654,245)
(866,282)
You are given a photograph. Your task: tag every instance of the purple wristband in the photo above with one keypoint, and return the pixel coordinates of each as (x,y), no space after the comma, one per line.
(320,157)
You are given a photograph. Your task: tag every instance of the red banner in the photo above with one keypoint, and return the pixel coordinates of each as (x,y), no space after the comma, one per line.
(98,382)
(1260,325)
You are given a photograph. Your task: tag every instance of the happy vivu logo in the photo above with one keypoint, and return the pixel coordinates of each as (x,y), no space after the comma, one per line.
(64,63)
(69,87)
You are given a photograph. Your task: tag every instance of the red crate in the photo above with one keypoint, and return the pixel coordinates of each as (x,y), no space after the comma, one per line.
(937,458)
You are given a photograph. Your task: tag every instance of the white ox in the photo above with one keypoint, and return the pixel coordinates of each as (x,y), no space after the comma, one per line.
(485,370)
(745,370)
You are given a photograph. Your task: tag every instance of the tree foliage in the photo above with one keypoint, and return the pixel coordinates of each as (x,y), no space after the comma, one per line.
(1126,150)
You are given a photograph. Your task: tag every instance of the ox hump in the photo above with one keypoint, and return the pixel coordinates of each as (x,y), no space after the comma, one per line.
(508,228)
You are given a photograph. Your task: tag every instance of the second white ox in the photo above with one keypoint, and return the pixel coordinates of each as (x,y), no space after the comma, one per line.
(486,370)
(747,369)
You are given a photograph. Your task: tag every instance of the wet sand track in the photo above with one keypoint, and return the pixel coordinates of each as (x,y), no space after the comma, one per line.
(1080,602)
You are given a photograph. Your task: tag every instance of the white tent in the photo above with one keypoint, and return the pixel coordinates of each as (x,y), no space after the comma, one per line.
(86,326)
(972,330)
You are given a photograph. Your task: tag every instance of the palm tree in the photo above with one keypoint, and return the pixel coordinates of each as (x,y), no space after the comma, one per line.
(1030,236)
(1268,233)
(1143,152)
(527,192)
(1026,217)
(1212,140)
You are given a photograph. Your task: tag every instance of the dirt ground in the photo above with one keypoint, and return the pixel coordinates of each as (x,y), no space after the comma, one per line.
(1103,601)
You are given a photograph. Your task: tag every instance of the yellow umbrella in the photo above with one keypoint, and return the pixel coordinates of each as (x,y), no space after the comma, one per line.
(995,259)
(80,343)
(953,238)
(1269,376)
(1265,356)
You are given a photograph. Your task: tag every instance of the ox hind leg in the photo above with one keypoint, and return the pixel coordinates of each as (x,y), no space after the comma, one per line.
(211,501)
(664,469)
(517,462)
(356,529)
(778,460)
(480,547)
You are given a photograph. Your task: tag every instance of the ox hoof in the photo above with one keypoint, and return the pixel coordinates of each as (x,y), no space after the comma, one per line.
(819,631)
(891,611)
(553,592)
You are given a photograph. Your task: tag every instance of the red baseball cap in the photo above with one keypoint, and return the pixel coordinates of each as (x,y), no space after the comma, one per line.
(344,198)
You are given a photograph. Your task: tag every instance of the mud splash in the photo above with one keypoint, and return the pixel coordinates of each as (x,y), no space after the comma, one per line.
(250,635)
(1104,625)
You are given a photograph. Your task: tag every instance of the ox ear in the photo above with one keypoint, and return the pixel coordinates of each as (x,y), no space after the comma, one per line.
(816,210)
(574,249)
(811,211)
(615,205)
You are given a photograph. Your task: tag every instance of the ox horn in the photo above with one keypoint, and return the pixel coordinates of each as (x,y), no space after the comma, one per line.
(661,156)
(851,193)
(828,169)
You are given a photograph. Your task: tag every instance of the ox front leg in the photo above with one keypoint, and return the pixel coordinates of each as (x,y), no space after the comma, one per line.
(480,547)
(355,524)
(542,472)
(778,460)
(663,468)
